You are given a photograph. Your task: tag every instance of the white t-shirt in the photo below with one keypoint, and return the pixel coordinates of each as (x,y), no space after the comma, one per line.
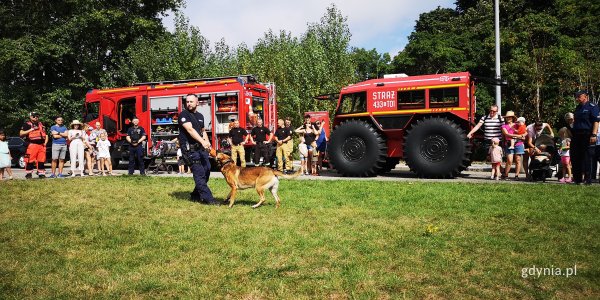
(77,135)
(103,149)
(531,132)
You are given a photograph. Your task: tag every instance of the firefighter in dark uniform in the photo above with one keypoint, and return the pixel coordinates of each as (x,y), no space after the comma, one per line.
(258,136)
(195,146)
(585,129)
(35,134)
(135,136)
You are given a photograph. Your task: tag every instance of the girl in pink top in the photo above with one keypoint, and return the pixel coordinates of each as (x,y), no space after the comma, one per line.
(495,152)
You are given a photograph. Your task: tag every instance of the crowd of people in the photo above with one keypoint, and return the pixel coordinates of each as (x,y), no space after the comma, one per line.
(312,146)
(88,148)
(508,139)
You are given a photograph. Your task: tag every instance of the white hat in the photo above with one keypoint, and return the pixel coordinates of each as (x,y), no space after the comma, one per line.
(75,122)
(521,119)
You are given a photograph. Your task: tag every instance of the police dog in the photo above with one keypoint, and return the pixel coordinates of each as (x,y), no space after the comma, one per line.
(261,178)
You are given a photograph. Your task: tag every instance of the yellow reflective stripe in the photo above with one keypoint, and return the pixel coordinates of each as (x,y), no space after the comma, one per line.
(118,90)
(412,88)
(408,111)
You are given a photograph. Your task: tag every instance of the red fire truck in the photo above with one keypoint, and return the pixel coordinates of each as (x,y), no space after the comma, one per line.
(158,104)
(422,119)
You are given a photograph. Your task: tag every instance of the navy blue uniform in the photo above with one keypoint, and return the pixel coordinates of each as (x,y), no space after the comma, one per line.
(199,157)
(581,150)
(136,153)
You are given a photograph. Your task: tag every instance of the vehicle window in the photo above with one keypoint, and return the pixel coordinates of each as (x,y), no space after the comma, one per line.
(15,141)
(353,103)
(411,99)
(447,97)
(92,110)
(126,111)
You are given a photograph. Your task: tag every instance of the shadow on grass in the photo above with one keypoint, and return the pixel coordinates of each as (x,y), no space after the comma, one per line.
(185,196)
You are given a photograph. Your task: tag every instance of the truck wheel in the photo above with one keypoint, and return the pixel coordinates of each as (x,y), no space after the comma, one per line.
(390,164)
(436,148)
(357,149)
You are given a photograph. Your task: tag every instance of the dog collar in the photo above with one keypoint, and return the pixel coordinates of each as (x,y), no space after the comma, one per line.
(226,163)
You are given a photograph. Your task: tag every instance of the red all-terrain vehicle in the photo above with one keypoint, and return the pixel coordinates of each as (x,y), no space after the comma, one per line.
(421,119)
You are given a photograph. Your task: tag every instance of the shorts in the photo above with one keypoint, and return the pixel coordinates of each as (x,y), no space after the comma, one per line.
(518,150)
(496,164)
(565,160)
(180,162)
(59,151)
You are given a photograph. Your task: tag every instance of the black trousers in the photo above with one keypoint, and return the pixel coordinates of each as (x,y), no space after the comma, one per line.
(581,156)
(262,150)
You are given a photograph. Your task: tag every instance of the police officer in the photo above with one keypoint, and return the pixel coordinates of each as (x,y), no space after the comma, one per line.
(135,136)
(195,145)
(585,130)
(258,136)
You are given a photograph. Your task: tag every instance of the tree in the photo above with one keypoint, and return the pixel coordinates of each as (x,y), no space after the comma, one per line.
(370,64)
(51,52)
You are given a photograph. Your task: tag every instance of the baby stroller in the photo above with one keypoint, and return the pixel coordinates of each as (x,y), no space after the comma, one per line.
(158,162)
(543,164)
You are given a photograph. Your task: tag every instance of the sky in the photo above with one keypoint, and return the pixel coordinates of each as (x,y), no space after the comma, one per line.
(381,24)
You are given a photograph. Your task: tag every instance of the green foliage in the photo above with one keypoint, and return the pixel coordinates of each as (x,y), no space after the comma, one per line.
(317,62)
(52,52)
(370,64)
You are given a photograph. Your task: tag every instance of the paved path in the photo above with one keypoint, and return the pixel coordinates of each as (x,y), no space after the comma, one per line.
(477,173)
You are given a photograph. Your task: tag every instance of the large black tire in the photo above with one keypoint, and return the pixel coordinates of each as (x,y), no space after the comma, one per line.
(436,148)
(356,149)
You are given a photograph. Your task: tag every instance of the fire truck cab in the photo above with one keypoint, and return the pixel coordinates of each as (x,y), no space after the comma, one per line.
(157,105)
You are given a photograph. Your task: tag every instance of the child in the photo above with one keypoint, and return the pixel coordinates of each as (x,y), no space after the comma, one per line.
(180,162)
(520,129)
(103,146)
(565,159)
(303,149)
(495,152)
(5,157)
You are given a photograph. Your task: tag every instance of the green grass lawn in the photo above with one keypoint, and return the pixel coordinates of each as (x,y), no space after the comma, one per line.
(139,237)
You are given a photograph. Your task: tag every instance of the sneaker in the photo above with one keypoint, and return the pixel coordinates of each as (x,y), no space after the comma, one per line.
(28,176)
(52,176)
(492,177)
(60,176)
(73,174)
(42,176)
(568,180)
(562,180)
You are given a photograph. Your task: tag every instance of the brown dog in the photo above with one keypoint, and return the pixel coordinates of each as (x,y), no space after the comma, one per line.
(261,178)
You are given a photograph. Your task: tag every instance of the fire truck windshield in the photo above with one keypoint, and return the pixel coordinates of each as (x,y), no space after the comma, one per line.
(91,111)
